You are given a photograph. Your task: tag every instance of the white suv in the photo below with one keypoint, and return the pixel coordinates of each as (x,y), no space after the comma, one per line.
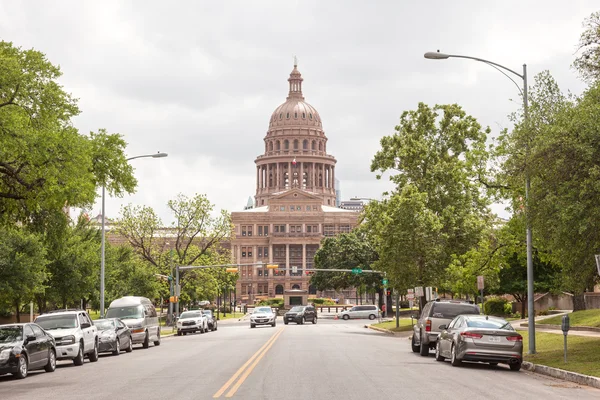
(75,334)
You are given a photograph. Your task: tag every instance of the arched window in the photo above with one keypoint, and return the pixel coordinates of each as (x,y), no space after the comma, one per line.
(286,144)
(287,115)
(312,290)
(320,146)
(279,289)
(270,146)
(314,145)
(295,144)
(295,287)
(305,144)
(278,145)
(295,115)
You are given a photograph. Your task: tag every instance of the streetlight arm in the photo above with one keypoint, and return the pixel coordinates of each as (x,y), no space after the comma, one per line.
(488,62)
(157,155)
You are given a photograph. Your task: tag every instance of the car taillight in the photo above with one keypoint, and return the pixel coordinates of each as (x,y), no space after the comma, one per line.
(514,338)
(428,325)
(471,335)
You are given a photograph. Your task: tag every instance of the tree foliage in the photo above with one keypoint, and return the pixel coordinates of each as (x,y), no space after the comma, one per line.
(45,163)
(588,61)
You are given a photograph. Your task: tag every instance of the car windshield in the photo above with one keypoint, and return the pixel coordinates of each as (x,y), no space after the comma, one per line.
(451,310)
(489,323)
(263,310)
(10,334)
(104,324)
(297,309)
(49,322)
(131,312)
(190,314)
(207,312)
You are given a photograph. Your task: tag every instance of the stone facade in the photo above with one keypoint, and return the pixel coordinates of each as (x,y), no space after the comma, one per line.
(294,204)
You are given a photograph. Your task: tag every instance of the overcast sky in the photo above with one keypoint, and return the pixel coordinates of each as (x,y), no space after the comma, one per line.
(199,80)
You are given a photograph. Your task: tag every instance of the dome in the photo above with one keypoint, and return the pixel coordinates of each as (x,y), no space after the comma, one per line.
(295,111)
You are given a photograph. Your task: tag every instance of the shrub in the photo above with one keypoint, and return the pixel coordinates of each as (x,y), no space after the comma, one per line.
(495,306)
(276,302)
(508,308)
(323,302)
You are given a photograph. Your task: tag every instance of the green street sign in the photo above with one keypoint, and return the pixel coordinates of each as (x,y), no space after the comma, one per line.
(356,271)
(385,282)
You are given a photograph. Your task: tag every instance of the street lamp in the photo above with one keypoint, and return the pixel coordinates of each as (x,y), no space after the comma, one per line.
(432,55)
(157,155)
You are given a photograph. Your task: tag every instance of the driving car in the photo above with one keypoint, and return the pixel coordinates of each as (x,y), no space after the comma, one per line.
(263,316)
(25,347)
(192,321)
(114,336)
(300,314)
(480,338)
(436,313)
(212,321)
(366,311)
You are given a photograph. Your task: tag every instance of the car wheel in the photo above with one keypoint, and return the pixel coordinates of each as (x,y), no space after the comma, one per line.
(493,364)
(302,321)
(454,360)
(93,356)
(21,372)
(51,366)
(274,324)
(372,316)
(415,348)
(216,326)
(438,354)
(346,317)
(157,341)
(314,319)
(515,366)
(129,348)
(201,330)
(424,348)
(79,359)
(252,325)
(285,322)
(117,348)
(146,343)
(184,333)
(178,333)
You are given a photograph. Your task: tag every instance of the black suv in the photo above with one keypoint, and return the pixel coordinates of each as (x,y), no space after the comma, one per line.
(301,314)
(436,313)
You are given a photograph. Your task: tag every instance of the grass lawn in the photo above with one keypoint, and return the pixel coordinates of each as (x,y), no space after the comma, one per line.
(577,318)
(405,325)
(583,353)
(230,315)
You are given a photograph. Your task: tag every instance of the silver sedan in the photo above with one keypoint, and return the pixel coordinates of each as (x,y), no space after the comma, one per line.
(480,338)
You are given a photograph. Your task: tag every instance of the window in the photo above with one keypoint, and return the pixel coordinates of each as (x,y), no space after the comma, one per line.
(295,144)
(243,251)
(260,252)
(314,145)
(249,230)
(266,230)
(315,208)
(266,251)
(308,208)
(279,289)
(287,115)
(37,331)
(280,115)
(303,115)
(298,208)
(279,228)
(295,287)
(344,228)
(310,115)
(278,145)
(328,230)
(451,310)
(286,144)
(27,331)
(292,208)
(282,208)
(249,251)
(295,115)
(260,230)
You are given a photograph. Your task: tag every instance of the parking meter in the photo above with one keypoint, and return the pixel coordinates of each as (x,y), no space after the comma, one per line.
(565,329)
(565,324)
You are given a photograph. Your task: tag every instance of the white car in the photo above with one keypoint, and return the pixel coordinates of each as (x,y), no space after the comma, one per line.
(263,316)
(75,334)
(192,321)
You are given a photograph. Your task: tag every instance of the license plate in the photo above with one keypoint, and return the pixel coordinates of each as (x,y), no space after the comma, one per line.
(494,339)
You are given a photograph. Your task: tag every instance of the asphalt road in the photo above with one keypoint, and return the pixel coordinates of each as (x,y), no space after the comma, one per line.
(334,359)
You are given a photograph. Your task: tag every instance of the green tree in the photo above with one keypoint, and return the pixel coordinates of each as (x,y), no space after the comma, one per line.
(45,163)
(437,158)
(588,62)
(22,267)
(346,251)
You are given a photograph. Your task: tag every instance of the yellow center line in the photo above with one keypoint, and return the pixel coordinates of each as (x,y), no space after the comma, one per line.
(239,371)
(249,370)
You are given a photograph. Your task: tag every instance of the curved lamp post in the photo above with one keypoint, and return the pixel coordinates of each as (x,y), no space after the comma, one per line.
(432,55)
(157,155)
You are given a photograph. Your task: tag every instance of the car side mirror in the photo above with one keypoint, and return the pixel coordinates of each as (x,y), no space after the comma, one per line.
(443,327)
(85,325)
(30,338)
(119,328)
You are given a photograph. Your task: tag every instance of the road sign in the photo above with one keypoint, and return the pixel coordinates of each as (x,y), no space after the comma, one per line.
(177,290)
(294,269)
(272,266)
(357,271)
(480,284)
(598,263)
(385,282)
(231,269)
(419,291)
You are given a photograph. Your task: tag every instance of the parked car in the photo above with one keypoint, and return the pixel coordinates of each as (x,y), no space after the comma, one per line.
(263,316)
(139,314)
(74,333)
(212,321)
(25,347)
(366,311)
(480,338)
(114,336)
(435,314)
(192,321)
(300,314)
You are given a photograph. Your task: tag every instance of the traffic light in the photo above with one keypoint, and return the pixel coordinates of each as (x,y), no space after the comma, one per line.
(309,272)
(272,266)
(388,292)
(234,270)
(170,278)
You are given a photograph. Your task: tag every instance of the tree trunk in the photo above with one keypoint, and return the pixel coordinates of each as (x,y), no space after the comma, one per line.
(523,306)
(18,314)
(579,302)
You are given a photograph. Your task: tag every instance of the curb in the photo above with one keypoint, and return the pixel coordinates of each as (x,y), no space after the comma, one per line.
(562,374)
(383,330)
